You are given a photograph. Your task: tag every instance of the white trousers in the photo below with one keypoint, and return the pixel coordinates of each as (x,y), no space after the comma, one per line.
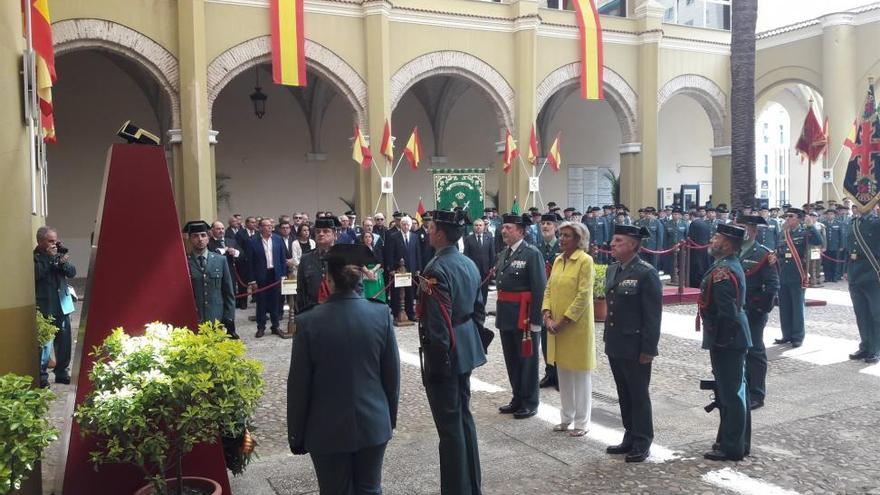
(576,392)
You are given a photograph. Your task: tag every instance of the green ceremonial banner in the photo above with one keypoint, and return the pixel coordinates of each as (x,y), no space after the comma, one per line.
(462,187)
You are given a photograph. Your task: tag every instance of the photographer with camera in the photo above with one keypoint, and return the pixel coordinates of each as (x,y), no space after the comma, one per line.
(52,268)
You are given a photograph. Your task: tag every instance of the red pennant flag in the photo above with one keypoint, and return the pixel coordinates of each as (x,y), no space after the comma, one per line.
(554,158)
(360,151)
(413,150)
(533,147)
(387,147)
(510,152)
(813,140)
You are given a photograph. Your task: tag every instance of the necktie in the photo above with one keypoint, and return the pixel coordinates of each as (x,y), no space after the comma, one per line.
(202,262)
(406,240)
(480,240)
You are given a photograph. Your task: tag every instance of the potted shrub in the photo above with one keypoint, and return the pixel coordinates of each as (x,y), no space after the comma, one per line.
(23,427)
(600,307)
(156,396)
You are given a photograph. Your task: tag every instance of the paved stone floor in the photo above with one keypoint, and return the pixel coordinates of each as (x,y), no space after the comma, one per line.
(816,434)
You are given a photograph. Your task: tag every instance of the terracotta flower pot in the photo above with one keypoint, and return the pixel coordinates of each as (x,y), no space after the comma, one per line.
(600,309)
(207,486)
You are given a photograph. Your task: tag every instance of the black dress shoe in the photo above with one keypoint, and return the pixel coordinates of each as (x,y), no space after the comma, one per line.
(508,408)
(62,379)
(796,343)
(618,449)
(859,355)
(260,332)
(44,383)
(717,455)
(756,404)
(872,359)
(716,446)
(524,413)
(781,341)
(637,456)
(547,381)
(275,331)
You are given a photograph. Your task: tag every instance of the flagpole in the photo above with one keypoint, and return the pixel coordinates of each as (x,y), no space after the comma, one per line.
(543,166)
(397,166)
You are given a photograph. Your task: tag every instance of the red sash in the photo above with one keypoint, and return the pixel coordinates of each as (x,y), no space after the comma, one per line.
(524,299)
(797,258)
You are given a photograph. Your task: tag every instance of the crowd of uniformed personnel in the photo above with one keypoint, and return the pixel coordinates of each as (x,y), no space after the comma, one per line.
(744,266)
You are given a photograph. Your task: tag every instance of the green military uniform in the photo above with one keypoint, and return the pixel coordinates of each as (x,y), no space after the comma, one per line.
(452,314)
(655,241)
(791,290)
(549,251)
(634,296)
(726,336)
(864,284)
(762,286)
(212,287)
(676,231)
(520,278)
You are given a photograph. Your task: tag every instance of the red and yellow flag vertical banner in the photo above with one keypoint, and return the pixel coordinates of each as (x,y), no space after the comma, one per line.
(533,147)
(592,58)
(41,30)
(360,152)
(288,42)
(510,152)
(413,150)
(554,157)
(420,212)
(387,147)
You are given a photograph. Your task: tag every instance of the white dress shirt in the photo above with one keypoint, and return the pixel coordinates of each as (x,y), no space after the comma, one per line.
(267,248)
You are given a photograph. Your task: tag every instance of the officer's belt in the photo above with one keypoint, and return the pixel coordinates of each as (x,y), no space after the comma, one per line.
(462,319)
(524,299)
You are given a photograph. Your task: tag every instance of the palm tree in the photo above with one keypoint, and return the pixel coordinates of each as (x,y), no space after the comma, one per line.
(744,15)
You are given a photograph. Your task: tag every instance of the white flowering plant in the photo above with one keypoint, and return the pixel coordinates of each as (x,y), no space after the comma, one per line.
(156,396)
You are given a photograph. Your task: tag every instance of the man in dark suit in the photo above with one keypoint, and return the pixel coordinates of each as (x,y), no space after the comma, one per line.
(480,248)
(344,381)
(210,277)
(451,312)
(267,264)
(224,246)
(402,246)
(242,238)
(632,330)
(521,278)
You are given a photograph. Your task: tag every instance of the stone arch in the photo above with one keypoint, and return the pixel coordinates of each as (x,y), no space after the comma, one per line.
(619,94)
(767,82)
(326,64)
(459,64)
(705,92)
(98,34)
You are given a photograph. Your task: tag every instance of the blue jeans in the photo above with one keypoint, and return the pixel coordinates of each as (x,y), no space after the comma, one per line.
(45,353)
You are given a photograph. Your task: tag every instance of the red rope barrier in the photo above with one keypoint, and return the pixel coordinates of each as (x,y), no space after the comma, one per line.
(257,291)
(829,258)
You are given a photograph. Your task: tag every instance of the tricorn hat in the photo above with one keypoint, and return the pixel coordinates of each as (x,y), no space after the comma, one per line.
(751,220)
(326,223)
(731,231)
(632,231)
(446,217)
(350,254)
(196,226)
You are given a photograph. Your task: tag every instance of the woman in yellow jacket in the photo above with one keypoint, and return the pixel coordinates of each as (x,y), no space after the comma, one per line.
(568,315)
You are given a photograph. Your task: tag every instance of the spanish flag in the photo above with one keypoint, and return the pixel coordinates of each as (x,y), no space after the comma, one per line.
(420,212)
(41,31)
(288,42)
(533,147)
(360,151)
(553,157)
(387,147)
(510,152)
(592,64)
(413,150)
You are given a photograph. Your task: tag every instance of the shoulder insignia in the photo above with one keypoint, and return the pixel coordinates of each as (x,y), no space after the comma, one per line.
(720,275)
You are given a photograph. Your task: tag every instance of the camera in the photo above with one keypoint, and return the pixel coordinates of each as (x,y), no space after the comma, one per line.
(61,248)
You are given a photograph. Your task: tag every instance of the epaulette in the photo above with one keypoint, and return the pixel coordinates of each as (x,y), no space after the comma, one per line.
(721,274)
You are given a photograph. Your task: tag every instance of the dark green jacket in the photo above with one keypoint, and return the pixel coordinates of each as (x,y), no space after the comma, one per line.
(725,325)
(859,268)
(520,271)
(763,284)
(801,237)
(212,288)
(51,278)
(634,296)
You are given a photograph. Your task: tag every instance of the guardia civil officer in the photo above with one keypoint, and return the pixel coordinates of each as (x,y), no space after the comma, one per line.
(632,330)
(793,253)
(520,277)
(655,241)
(863,273)
(676,231)
(344,382)
(548,245)
(762,285)
(211,279)
(452,313)
(311,280)
(726,337)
